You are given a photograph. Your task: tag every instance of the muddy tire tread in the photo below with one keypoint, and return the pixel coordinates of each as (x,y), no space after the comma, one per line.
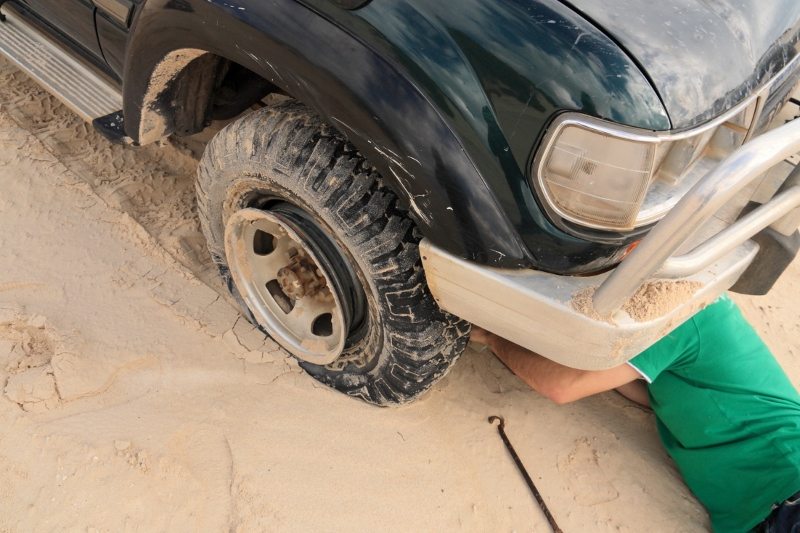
(421,342)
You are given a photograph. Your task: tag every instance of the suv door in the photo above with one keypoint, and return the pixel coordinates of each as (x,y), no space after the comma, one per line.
(73,18)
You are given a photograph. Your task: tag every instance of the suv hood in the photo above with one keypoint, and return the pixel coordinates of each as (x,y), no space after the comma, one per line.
(703,56)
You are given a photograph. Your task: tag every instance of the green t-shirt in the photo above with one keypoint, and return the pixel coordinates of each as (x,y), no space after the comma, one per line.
(727,414)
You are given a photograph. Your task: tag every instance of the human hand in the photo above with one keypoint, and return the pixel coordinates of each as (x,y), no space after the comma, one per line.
(481,336)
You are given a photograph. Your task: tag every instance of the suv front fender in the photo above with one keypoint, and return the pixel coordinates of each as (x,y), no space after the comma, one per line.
(372,103)
(449,106)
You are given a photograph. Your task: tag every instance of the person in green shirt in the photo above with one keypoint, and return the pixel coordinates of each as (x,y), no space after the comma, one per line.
(725,410)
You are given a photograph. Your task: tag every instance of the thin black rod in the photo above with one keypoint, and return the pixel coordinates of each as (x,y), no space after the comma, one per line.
(501,428)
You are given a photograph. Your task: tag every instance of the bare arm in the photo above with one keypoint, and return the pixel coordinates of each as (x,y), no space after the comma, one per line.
(635,391)
(559,383)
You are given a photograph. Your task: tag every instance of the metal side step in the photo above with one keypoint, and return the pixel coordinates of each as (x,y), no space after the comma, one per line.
(80,88)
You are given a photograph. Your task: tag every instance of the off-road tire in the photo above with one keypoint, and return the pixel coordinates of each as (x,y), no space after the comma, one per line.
(286,150)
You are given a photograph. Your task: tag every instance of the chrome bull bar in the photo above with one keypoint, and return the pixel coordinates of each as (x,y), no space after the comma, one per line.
(655,255)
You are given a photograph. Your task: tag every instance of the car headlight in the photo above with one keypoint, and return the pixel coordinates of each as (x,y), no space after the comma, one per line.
(605,176)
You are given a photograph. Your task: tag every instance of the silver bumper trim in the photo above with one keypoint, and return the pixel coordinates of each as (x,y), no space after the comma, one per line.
(703,201)
(540,311)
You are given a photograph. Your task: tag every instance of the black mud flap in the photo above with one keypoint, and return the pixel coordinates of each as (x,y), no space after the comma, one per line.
(112,127)
(777,251)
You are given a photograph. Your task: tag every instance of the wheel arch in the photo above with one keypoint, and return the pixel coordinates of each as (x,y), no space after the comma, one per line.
(372,103)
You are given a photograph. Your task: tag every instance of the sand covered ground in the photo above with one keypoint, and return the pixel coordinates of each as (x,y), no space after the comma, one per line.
(134,398)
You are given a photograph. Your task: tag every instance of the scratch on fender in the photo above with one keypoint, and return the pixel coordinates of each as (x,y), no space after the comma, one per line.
(412,199)
(346,125)
(258,60)
(387,153)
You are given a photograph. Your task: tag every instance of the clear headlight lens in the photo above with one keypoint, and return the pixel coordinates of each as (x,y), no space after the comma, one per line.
(597,178)
(601,175)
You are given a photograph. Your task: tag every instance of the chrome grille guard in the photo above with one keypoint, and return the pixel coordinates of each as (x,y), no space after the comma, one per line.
(655,255)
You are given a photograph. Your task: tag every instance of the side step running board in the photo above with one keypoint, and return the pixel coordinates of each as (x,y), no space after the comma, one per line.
(75,84)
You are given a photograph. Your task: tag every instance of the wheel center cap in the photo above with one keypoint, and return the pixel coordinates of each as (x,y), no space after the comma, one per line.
(301,278)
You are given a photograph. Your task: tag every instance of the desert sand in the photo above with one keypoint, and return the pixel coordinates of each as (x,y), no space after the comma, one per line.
(134,398)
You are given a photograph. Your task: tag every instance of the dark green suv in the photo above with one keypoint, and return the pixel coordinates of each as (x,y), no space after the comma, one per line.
(578,176)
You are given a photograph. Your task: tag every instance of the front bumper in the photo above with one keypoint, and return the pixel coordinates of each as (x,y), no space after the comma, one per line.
(600,321)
